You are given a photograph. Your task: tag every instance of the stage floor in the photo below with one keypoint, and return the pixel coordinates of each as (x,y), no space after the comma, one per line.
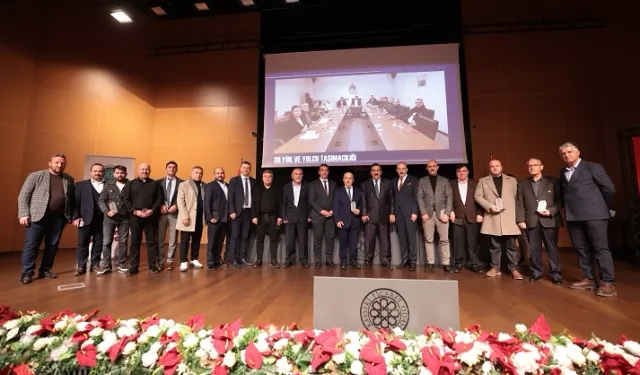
(283,296)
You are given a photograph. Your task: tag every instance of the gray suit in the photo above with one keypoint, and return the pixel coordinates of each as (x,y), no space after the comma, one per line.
(434,203)
(168,221)
(33,199)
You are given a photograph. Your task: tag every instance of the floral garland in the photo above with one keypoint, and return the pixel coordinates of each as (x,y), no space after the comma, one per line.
(61,343)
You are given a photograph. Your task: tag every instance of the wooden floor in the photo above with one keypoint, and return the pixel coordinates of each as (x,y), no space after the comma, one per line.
(283,296)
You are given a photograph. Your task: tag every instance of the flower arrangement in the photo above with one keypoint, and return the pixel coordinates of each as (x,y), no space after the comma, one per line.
(61,343)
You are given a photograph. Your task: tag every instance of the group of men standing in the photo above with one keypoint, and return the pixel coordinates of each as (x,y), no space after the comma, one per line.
(496,205)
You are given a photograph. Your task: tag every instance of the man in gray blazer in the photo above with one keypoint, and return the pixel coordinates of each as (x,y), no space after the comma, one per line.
(587,193)
(435,203)
(168,214)
(45,206)
(538,206)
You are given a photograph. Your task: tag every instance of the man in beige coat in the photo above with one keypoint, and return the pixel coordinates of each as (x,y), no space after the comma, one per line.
(497,195)
(190,218)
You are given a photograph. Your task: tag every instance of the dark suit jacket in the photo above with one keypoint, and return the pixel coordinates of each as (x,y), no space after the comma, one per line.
(163,185)
(527,203)
(342,207)
(470,209)
(589,193)
(290,212)
(406,199)
(356,102)
(86,202)
(318,199)
(236,194)
(215,202)
(378,209)
(257,198)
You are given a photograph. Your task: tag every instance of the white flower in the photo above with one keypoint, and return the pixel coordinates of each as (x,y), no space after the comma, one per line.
(41,343)
(129,348)
(33,329)
(283,366)
(465,337)
(296,348)
(632,347)
(143,338)
(577,357)
(504,337)
(203,333)
(206,345)
(87,343)
(356,368)
(153,331)
(13,333)
(229,360)
(59,352)
(130,323)
(201,354)
(149,359)
(167,323)
(593,356)
(243,356)
(525,362)
(213,354)
(109,336)
(470,357)
(353,349)
(126,331)
(339,358)
(104,346)
(262,345)
(182,368)
(11,324)
(84,326)
(2,332)
(191,341)
(77,318)
(397,331)
(280,344)
(353,337)
(61,325)
(521,328)
(96,332)
(487,367)
(26,340)
(424,371)
(389,356)
(155,347)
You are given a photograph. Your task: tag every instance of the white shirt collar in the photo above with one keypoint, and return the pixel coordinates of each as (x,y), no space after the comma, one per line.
(574,166)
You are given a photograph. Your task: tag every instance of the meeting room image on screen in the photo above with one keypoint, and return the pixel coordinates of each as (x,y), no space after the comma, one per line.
(353,113)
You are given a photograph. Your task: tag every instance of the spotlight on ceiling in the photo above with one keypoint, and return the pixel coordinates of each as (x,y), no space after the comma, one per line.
(121,16)
(201,6)
(247,3)
(291,1)
(158,11)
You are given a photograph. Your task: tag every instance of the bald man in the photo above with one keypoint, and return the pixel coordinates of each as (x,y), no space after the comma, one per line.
(143,197)
(216,215)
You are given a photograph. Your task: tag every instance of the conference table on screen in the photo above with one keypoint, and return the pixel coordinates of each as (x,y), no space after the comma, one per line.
(395,135)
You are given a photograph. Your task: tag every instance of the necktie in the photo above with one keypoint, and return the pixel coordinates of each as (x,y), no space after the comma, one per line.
(168,192)
(400,182)
(246,192)
(349,192)
(377,189)
(326,188)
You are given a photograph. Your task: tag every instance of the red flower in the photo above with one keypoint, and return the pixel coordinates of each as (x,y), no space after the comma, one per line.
(252,357)
(375,369)
(115,349)
(304,337)
(319,358)
(86,356)
(90,315)
(431,358)
(220,370)
(79,337)
(448,336)
(196,322)
(556,371)
(107,322)
(329,342)
(153,321)
(170,361)
(388,339)
(474,328)
(372,353)
(222,345)
(541,329)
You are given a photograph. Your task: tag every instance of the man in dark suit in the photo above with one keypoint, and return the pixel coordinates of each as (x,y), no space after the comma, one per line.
(295,216)
(265,213)
(377,208)
(538,206)
(88,218)
(321,193)
(356,101)
(45,206)
(240,191)
(168,214)
(405,189)
(587,193)
(216,214)
(347,206)
(466,218)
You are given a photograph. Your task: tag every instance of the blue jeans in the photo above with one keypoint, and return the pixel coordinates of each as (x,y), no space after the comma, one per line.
(49,229)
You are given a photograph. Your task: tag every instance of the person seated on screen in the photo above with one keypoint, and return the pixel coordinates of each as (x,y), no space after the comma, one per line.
(290,126)
(316,111)
(342,102)
(421,118)
(395,108)
(372,100)
(306,114)
(356,101)
(383,102)
(308,99)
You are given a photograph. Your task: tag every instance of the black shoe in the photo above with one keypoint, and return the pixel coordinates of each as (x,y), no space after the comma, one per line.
(318,265)
(132,272)
(556,281)
(154,270)
(235,265)
(47,275)
(211,267)
(331,264)
(429,268)
(101,270)
(26,279)
(80,271)
(386,264)
(366,265)
(354,264)
(477,269)
(169,266)
(221,264)
(257,264)
(343,266)
(160,267)
(404,264)
(457,268)
(412,267)
(122,268)
(535,278)
(244,262)
(448,269)
(305,265)
(288,264)
(275,264)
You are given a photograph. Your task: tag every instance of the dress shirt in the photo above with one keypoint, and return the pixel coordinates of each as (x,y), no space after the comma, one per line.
(246,183)
(325,186)
(172,181)
(98,185)
(401,181)
(225,189)
(463,187)
(568,171)
(296,193)
(349,192)
(536,186)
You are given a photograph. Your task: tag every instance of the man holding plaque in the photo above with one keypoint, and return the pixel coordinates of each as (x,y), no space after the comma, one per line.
(347,204)
(538,208)
(496,193)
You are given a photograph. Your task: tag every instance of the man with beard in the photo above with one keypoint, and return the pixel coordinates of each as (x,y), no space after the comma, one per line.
(377,208)
(216,214)
(191,218)
(88,219)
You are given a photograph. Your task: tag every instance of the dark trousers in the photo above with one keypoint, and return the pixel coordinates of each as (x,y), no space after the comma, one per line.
(323,227)
(465,244)
(349,244)
(239,241)
(49,229)
(293,232)
(109,227)
(148,226)
(381,232)
(85,235)
(216,234)
(407,230)
(548,236)
(195,238)
(506,244)
(590,240)
(267,228)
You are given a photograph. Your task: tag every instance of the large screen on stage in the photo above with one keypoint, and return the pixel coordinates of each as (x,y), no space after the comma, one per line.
(361,106)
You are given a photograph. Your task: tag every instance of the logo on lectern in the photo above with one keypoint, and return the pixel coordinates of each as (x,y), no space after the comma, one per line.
(384,309)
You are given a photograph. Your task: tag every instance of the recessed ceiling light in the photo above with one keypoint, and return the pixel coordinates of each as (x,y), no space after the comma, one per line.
(159,11)
(201,6)
(121,16)
(247,3)
(290,1)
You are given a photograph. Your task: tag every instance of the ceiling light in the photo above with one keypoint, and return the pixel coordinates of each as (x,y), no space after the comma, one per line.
(290,1)
(201,6)
(159,11)
(121,16)
(247,3)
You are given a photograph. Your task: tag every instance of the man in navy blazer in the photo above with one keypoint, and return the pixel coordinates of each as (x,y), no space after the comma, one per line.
(216,214)
(347,207)
(405,189)
(587,192)
(88,218)
(240,191)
